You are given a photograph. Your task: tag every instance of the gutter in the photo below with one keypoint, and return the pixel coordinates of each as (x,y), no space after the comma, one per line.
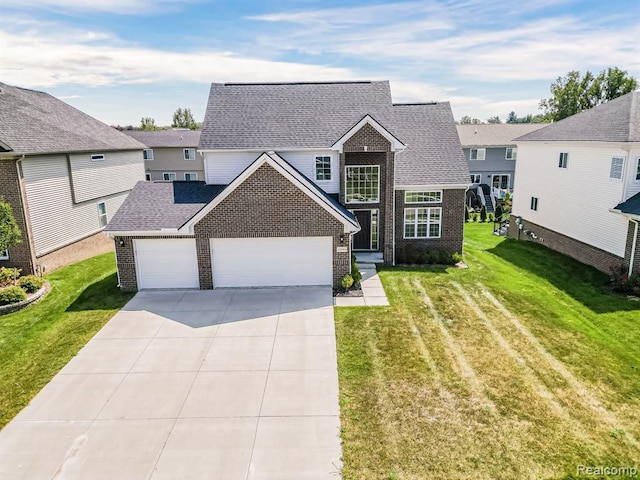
(634,243)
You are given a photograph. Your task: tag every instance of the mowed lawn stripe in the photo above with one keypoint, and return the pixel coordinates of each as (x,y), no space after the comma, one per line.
(436,425)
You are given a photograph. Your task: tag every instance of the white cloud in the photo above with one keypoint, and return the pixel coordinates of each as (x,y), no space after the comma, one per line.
(34,60)
(122,7)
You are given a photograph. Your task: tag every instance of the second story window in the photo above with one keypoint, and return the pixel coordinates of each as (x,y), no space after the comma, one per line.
(477,153)
(147,154)
(362,184)
(169,176)
(617,166)
(511,154)
(563,160)
(189,154)
(638,168)
(191,176)
(323,167)
(423,197)
(102,214)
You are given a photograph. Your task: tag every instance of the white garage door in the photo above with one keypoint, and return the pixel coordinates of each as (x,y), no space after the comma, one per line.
(270,262)
(166,263)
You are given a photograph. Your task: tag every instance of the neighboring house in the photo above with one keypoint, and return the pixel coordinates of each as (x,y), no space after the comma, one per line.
(578,185)
(64,174)
(297,176)
(170,154)
(491,154)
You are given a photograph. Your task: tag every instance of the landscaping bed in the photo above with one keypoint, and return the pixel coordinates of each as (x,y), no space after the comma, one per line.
(18,291)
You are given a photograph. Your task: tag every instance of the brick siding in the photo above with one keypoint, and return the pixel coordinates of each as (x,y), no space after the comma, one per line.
(452,226)
(268,205)
(20,256)
(629,248)
(378,152)
(600,259)
(80,250)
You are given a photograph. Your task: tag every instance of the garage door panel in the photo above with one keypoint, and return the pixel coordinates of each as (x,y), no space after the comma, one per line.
(166,263)
(257,262)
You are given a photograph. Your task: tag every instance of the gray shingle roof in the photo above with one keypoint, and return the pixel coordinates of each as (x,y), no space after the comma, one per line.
(166,138)
(631,206)
(34,122)
(495,135)
(617,120)
(157,205)
(316,115)
(293,115)
(433,154)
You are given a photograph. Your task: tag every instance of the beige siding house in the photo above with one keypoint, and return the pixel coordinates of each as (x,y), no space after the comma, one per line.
(171,154)
(63,180)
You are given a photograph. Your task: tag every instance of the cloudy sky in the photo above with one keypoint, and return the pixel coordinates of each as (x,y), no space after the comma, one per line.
(120,60)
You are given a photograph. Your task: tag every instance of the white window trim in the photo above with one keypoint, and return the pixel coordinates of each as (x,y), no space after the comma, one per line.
(175,177)
(102,215)
(623,158)
(377,200)
(479,175)
(478,150)
(4,255)
(429,223)
(636,175)
(422,191)
(315,171)
(150,158)
(97,157)
(194,174)
(184,150)
(514,153)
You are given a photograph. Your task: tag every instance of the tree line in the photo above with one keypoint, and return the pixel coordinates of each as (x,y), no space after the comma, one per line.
(182,118)
(572,94)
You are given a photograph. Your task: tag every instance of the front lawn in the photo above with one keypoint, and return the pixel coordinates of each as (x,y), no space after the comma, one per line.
(521,366)
(35,343)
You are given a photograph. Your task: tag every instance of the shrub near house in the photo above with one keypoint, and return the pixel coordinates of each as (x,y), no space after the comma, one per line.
(14,289)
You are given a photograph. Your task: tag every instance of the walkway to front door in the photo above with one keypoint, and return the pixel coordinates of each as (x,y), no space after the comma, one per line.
(223,384)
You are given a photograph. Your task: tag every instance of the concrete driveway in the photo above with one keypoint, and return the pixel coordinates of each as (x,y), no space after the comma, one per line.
(224,384)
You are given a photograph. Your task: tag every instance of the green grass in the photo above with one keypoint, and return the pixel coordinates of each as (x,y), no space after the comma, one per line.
(35,343)
(522,366)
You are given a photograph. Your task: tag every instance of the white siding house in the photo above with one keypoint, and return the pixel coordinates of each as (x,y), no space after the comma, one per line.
(573,175)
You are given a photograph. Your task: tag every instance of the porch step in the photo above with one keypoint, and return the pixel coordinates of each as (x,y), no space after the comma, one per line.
(487,199)
(369,257)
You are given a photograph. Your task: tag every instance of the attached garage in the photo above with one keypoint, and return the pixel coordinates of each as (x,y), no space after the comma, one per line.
(166,263)
(272,261)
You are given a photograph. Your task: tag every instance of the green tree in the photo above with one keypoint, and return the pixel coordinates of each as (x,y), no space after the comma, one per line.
(574,92)
(495,119)
(148,123)
(483,214)
(512,117)
(467,120)
(9,231)
(499,212)
(183,118)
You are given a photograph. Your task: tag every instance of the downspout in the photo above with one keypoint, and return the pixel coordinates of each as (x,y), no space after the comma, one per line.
(633,246)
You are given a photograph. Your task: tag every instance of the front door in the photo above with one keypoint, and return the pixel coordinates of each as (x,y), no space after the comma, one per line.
(362,239)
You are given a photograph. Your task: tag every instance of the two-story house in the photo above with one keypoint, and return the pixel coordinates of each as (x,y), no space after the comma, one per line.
(64,174)
(170,154)
(491,152)
(297,176)
(578,185)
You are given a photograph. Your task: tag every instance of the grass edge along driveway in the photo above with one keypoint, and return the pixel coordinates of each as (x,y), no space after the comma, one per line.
(522,366)
(36,342)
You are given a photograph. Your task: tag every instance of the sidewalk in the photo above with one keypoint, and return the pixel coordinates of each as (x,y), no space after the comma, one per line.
(372,291)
